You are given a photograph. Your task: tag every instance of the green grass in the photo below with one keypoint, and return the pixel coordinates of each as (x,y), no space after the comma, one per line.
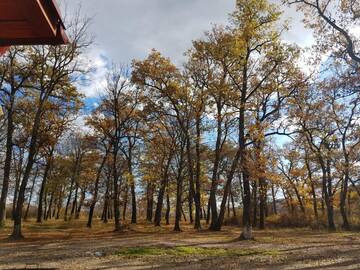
(192,251)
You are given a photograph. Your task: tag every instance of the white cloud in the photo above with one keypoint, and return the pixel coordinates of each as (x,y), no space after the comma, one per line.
(93,83)
(80,124)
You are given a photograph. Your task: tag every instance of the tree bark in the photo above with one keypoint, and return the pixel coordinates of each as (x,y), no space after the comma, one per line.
(160,199)
(30,195)
(74,204)
(149,201)
(8,157)
(81,202)
(262,205)
(255,204)
(42,189)
(96,189)
(167,215)
(179,190)
(16,234)
(273,199)
(326,187)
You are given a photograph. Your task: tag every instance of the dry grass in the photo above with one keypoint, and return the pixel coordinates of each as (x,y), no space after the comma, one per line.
(70,245)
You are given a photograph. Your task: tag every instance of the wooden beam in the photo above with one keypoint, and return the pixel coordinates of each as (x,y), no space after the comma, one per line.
(26,22)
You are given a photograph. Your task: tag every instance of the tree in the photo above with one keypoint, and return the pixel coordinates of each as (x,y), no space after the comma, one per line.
(332,22)
(117,108)
(51,80)
(15,75)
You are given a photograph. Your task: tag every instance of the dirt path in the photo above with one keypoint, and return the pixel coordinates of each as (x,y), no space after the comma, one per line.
(72,247)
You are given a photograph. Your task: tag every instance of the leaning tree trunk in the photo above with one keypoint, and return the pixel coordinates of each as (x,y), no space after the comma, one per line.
(227,189)
(16,234)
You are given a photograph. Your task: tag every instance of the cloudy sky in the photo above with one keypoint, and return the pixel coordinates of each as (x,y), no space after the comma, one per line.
(129,29)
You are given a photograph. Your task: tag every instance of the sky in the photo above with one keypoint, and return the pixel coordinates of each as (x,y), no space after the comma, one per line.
(128,29)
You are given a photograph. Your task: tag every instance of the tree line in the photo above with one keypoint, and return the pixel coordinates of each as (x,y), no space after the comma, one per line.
(240,130)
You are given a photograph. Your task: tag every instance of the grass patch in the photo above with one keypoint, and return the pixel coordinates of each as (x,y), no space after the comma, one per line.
(181,251)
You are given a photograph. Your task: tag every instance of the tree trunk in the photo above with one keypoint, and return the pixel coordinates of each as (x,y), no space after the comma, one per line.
(132,190)
(247,230)
(96,189)
(133,204)
(18,176)
(232,203)
(255,200)
(106,200)
(54,209)
(179,189)
(167,215)
(313,193)
(190,205)
(263,199)
(118,226)
(69,199)
(59,203)
(81,202)
(227,189)
(197,195)
(149,201)
(327,186)
(208,212)
(273,199)
(125,201)
(31,193)
(159,204)
(74,204)
(8,158)
(48,214)
(214,178)
(228,206)
(344,188)
(42,189)
(30,162)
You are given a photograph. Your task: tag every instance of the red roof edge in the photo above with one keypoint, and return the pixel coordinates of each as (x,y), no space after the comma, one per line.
(55,13)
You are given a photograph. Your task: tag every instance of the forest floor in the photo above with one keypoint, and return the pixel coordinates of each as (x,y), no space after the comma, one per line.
(60,245)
